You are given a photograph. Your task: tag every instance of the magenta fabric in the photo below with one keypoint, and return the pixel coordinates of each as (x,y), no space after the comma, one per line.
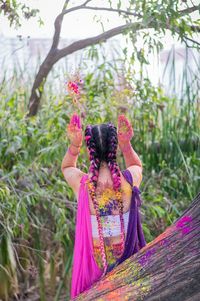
(85,270)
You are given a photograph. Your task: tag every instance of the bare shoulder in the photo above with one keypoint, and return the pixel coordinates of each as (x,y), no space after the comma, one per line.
(73,177)
(136,172)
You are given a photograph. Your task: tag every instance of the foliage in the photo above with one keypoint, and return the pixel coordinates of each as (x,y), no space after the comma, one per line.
(14,11)
(37,207)
(139,18)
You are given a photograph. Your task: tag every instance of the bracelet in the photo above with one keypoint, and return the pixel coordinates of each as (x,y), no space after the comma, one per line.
(71,152)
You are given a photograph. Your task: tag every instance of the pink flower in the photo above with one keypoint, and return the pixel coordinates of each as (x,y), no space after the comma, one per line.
(73,83)
(72,87)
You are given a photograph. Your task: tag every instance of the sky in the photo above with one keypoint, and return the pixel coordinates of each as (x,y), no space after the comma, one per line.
(76,25)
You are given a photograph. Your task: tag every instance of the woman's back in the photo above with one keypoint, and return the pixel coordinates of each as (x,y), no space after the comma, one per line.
(107,204)
(109,213)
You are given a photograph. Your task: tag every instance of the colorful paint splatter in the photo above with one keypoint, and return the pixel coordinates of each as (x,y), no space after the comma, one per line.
(165,269)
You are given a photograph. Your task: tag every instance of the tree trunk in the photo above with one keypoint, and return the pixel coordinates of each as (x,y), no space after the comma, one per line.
(56,54)
(39,82)
(166,269)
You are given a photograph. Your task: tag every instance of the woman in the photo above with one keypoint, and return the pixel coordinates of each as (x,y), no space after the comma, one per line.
(108,228)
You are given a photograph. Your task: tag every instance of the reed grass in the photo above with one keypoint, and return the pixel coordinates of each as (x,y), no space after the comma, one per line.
(37,207)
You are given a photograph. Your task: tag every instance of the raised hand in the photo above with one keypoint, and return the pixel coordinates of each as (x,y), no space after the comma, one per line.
(125,130)
(74,130)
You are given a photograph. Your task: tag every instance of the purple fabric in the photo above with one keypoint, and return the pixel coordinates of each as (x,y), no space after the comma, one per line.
(135,237)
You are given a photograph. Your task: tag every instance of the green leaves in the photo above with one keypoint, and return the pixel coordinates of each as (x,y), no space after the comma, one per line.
(34,196)
(14,9)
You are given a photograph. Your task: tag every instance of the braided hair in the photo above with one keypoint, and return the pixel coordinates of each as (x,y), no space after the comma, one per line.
(102,141)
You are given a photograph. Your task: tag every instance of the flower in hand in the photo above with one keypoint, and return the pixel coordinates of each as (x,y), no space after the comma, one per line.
(125,130)
(74,130)
(72,86)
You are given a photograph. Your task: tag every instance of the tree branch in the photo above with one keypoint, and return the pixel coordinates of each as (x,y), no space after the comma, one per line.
(55,54)
(78,45)
(65,5)
(195,28)
(128,13)
(83,6)
(59,19)
(189,10)
(86,2)
(191,40)
(57,26)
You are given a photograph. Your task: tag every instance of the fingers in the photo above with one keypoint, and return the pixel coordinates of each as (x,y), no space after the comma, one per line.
(75,120)
(73,128)
(123,120)
(125,127)
(125,130)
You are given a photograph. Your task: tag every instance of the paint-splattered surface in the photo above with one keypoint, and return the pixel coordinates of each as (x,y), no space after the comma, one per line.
(168,268)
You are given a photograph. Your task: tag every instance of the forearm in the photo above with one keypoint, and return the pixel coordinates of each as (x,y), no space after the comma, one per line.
(130,156)
(70,160)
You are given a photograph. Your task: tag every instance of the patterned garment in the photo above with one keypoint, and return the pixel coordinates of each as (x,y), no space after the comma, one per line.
(108,206)
(107,200)
(113,252)
(111,225)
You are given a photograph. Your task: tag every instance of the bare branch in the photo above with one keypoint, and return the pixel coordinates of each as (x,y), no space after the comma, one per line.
(83,6)
(78,45)
(195,28)
(65,5)
(56,37)
(129,13)
(59,19)
(189,10)
(86,2)
(191,40)
(57,26)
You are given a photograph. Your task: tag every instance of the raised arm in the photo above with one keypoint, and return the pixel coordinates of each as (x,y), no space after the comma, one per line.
(132,160)
(130,156)
(68,167)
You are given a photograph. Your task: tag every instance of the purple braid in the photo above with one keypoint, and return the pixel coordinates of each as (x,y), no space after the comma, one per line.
(104,148)
(94,169)
(115,171)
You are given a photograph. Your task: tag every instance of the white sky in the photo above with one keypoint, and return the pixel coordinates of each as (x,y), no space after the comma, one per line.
(75,25)
(78,24)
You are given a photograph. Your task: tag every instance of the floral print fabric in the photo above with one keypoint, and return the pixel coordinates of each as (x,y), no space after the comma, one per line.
(108,206)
